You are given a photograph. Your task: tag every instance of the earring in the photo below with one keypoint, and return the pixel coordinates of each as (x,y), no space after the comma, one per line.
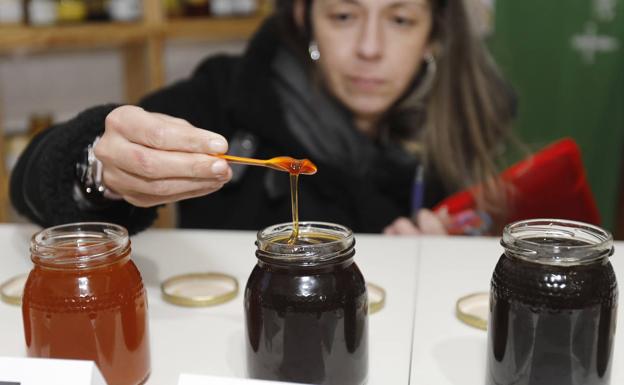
(426,83)
(424,86)
(313,49)
(432,66)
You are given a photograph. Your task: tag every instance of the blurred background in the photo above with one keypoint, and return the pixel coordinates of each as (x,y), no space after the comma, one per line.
(564,58)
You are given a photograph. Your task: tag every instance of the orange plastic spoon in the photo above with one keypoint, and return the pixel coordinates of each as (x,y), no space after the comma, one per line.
(280,163)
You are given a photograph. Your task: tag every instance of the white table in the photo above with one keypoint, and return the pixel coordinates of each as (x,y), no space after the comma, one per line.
(415,339)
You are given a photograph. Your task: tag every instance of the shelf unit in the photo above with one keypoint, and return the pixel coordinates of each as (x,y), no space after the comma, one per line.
(142,47)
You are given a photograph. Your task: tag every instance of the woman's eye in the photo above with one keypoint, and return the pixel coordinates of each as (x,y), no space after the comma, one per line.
(342,16)
(403,21)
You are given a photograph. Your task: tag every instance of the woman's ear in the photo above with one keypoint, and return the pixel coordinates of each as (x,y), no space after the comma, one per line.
(433,48)
(299,13)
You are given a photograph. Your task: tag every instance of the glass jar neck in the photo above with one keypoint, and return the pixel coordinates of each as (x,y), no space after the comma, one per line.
(318,244)
(80,246)
(557,242)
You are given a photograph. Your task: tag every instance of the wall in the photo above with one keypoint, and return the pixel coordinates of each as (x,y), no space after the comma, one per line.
(64,83)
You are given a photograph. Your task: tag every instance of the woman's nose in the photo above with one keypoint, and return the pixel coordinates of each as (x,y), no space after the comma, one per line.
(370,44)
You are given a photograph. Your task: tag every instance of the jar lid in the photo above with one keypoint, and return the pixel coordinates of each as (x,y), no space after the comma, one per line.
(376,298)
(473,310)
(11,291)
(199,289)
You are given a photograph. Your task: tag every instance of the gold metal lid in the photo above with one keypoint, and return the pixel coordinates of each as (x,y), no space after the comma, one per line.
(11,291)
(473,310)
(376,298)
(199,289)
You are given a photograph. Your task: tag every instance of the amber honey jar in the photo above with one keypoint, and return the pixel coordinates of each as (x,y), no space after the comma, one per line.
(553,305)
(84,299)
(306,309)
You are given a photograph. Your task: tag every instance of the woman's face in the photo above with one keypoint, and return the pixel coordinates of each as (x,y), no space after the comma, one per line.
(370,49)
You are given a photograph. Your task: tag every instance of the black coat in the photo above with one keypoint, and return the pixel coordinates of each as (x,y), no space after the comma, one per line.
(234,97)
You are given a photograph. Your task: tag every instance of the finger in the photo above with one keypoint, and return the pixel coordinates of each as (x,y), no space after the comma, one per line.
(430,223)
(156,164)
(143,200)
(152,130)
(444,216)
(125,183)
(389,230)
(405,226)
(172,119)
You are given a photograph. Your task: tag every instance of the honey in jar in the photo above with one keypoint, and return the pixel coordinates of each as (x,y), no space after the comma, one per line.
(306,309)
(84,299)
(553,305)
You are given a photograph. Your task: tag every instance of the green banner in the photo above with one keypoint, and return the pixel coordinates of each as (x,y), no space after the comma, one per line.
(565,59)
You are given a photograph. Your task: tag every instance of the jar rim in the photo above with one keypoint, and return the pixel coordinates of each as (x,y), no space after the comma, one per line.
(78,245)
(594,243)
(336,241)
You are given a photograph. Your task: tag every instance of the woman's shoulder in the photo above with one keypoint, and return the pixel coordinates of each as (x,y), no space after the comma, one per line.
(219,64)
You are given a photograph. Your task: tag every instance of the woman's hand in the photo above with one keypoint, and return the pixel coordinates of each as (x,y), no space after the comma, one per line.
(427,223)
(151,159)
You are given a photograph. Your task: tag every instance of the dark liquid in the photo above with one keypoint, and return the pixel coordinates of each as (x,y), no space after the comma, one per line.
(551,325)
(307,324)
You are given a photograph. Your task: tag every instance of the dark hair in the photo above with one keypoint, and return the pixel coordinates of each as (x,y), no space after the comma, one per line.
(468,110)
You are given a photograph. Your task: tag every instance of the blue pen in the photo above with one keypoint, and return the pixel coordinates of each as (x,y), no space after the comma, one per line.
(418,191)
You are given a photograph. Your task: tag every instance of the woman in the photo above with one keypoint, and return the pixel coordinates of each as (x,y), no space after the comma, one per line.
(370,90)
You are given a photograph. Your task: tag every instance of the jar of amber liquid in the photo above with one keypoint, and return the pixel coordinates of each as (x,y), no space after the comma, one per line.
(306,308)
(553,304)
(84,299)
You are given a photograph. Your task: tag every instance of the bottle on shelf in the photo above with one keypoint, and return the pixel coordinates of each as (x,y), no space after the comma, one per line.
(125,10)
(11,12)
(97,10)
(225,8)
(222,8)
(197,7)
(41,12)
(71,11)
(245,7)
(173,8)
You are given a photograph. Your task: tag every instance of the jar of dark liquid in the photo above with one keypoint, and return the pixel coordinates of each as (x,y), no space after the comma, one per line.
(553,304)
(84,299)
(306,308)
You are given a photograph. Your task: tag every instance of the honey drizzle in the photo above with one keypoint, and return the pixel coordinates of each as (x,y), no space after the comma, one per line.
(294,201)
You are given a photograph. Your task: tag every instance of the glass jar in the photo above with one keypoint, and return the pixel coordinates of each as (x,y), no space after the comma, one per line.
(553,304)
(84,299)
(306,307)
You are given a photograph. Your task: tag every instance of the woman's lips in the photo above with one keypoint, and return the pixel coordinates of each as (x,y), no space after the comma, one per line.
(365,83)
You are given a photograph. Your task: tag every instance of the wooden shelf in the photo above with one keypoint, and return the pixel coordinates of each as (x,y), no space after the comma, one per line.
(25,38)
(213,28)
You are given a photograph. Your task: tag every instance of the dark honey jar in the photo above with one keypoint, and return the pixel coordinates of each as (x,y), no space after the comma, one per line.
(306,308)
(84,299)
(553,305)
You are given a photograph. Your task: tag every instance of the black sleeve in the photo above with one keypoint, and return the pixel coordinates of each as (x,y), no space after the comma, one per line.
(43,179)
(42,182)
(202,99)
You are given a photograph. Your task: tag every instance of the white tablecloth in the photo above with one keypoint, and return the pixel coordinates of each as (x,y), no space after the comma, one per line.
(415,339)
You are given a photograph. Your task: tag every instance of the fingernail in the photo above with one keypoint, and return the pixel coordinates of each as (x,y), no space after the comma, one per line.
(219,166)
(218,146)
